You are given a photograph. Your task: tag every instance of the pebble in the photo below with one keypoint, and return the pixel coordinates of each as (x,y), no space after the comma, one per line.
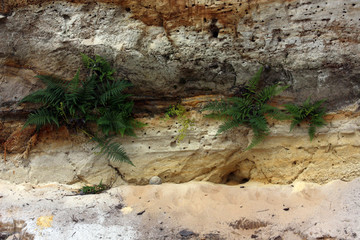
(155,180)
(186,233)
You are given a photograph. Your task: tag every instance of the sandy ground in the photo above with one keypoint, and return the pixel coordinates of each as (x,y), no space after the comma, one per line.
(195,210)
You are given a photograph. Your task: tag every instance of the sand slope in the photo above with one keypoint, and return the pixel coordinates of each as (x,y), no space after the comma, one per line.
(204,210)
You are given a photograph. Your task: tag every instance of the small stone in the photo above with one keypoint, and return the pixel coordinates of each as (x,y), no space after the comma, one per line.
(286,209)
(2,16)
(186,233)
(155,180)
(253,236)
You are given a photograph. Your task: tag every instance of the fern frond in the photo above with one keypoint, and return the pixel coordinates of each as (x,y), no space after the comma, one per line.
(55,96)
(51,81)
(74,84)
(216,106)
(293,109)
(99,67)
(52,95)
(114,122)
(103,69)
(294,123)
(88,95)
(274,112)
(72,95)
(118,102)
(255,141)
(318,121)
(259,125)
(38,96)
(240,104)
(311,131)
(269,92)
(309,112)
(228,124)
(113,89)
(317,104)
(260,129)
(132,125)
(254,81)
(41,117)
(87,61)
(113,150)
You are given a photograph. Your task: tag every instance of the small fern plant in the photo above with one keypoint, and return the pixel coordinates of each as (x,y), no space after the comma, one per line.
(186,123)
(250,109)
(95,189)
(310,113)
(97,99)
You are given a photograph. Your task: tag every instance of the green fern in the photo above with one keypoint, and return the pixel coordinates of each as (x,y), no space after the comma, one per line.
(114,122)
(51,96)
(98,99)
(99,67)
(311,113)
(113,150)
(113,90)
(95,189)
(42,117)
(249,109)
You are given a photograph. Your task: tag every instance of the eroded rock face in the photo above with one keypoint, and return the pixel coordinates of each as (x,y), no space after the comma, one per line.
(181,48)
(282,158)
(178,49)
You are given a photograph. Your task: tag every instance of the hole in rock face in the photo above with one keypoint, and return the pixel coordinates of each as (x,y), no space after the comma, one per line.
(215,31)
(173,144)
(240,173)
(213,28)
(236,177)
(66,17)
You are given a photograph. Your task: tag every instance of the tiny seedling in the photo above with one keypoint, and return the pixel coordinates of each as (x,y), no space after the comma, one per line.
(179,112)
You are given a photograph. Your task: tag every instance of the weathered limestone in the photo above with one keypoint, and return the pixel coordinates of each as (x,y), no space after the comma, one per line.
(179,49)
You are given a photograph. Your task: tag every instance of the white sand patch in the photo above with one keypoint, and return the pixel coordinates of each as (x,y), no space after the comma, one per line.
(208,211)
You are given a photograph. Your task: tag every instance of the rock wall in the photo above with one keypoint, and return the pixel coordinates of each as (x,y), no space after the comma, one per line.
(186,48)
(172,50)
(284,157)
